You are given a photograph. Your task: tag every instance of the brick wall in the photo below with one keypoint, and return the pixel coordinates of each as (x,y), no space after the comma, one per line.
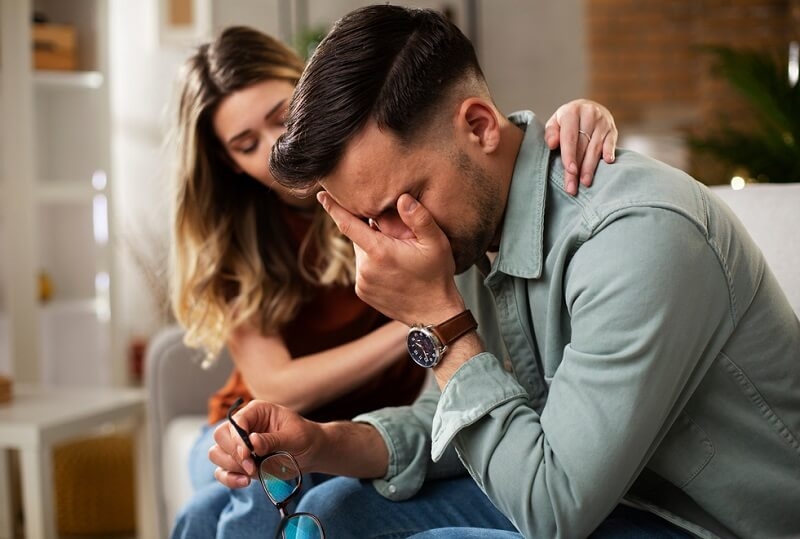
(646,68)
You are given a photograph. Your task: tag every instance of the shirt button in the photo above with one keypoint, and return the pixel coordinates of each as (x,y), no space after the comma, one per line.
(392,489)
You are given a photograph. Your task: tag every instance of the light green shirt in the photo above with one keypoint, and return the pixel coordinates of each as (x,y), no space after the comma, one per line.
(638,350)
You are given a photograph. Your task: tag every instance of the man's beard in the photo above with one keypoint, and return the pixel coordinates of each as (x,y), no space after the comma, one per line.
(471,242)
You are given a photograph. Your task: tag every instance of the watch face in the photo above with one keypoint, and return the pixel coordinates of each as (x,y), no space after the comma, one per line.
(422,347)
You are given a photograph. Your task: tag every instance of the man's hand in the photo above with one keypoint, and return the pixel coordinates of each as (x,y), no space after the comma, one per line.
(272,428)
(409,278)
(337,448)
(584,130)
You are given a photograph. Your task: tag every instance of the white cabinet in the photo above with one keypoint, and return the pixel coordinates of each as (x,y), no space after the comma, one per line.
(54,200)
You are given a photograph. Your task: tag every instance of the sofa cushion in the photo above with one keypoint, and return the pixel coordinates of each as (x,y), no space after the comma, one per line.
(180,435)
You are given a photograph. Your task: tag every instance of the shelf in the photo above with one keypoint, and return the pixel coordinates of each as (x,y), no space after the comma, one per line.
(58,191)
(57,140)
(68,79)
(69,306)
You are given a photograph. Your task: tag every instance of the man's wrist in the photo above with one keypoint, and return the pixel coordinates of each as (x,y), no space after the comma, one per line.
(353,450)
(462,350)
(447,310)
(442,309)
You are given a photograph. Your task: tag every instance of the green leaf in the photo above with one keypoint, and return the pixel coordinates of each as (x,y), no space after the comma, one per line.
(771,150)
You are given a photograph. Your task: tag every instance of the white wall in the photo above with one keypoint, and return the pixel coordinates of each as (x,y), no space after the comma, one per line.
(141,75)
(143,71)
(532,51)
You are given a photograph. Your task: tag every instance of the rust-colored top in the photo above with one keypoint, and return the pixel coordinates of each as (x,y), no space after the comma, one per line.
(333,317)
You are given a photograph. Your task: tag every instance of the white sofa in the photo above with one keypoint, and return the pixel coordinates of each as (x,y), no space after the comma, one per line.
(771,214)
(179,389)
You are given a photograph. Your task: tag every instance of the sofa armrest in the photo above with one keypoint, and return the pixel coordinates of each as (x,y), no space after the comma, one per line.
(176,387)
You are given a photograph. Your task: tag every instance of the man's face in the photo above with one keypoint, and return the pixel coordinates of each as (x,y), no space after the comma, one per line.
(463,199)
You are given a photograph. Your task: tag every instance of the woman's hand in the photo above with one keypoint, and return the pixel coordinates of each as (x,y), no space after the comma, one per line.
(585,130)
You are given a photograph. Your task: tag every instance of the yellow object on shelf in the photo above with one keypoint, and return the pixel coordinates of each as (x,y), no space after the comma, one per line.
(45,287)
(94,486)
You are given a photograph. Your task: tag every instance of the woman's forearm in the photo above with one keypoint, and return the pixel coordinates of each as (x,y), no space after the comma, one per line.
(309,382)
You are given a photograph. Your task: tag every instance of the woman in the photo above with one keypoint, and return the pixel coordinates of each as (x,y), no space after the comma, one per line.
(267,274)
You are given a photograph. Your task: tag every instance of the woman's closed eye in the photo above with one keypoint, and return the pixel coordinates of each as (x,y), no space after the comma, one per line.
(248,148)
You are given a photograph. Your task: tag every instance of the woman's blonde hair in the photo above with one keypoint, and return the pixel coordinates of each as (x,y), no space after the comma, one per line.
(232,254)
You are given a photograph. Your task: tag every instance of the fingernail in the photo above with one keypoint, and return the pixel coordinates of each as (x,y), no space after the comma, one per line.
(321,198)
(587,178)
(409,203)
(248,466)
(242,481)
(572,187)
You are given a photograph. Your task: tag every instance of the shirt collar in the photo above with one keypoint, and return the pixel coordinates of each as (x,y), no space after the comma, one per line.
(521,243)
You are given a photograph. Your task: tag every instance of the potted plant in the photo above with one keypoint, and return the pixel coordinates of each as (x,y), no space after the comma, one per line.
(769,152)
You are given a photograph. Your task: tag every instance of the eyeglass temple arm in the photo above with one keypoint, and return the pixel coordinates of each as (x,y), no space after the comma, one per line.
(279,532)
(243,434)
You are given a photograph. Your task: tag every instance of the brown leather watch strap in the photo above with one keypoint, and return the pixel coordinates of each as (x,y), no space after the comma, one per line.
(450,330)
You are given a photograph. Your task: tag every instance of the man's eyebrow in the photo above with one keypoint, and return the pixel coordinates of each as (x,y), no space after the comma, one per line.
(266,116)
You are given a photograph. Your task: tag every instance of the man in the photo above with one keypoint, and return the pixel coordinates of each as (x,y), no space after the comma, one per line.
(635,369)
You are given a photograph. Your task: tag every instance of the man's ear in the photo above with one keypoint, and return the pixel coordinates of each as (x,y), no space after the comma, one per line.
(477,120)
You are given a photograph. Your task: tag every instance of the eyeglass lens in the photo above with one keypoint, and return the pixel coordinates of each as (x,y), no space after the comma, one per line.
(301,526)
(280,476)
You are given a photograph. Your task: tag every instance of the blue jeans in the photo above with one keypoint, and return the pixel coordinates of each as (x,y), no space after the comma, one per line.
(217,511)
(446,509)
(201,470)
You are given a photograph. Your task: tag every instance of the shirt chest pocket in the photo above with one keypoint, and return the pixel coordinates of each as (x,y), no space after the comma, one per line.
(683,453)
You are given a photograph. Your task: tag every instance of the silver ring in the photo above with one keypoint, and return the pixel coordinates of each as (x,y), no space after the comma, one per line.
(585,134)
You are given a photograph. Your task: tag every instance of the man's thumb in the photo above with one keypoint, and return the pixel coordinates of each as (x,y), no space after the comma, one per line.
(416,216)
(266,442)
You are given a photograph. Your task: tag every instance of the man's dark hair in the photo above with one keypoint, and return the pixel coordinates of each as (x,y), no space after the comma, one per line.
(389,64)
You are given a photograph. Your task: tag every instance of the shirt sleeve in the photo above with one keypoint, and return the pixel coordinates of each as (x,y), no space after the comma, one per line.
(649,309)
(406,430)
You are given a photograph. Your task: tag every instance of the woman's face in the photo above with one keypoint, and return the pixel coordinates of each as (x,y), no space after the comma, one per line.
(248,123)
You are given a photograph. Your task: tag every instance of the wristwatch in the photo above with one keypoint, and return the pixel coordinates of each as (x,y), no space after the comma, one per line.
(427,344)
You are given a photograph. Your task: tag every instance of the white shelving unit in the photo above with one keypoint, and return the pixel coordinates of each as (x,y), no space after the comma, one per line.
(54,200)
(69,79)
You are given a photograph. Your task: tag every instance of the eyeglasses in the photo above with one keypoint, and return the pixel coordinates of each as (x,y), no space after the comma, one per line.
(281,478)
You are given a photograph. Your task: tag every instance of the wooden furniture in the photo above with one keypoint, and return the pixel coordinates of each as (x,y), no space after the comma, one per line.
(38,418)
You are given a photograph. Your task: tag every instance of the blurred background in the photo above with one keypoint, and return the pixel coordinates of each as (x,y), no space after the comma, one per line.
(86,95)
(85,183)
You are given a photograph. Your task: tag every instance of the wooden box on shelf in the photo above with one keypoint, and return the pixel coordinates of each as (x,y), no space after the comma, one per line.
(5,389)
(54,47)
